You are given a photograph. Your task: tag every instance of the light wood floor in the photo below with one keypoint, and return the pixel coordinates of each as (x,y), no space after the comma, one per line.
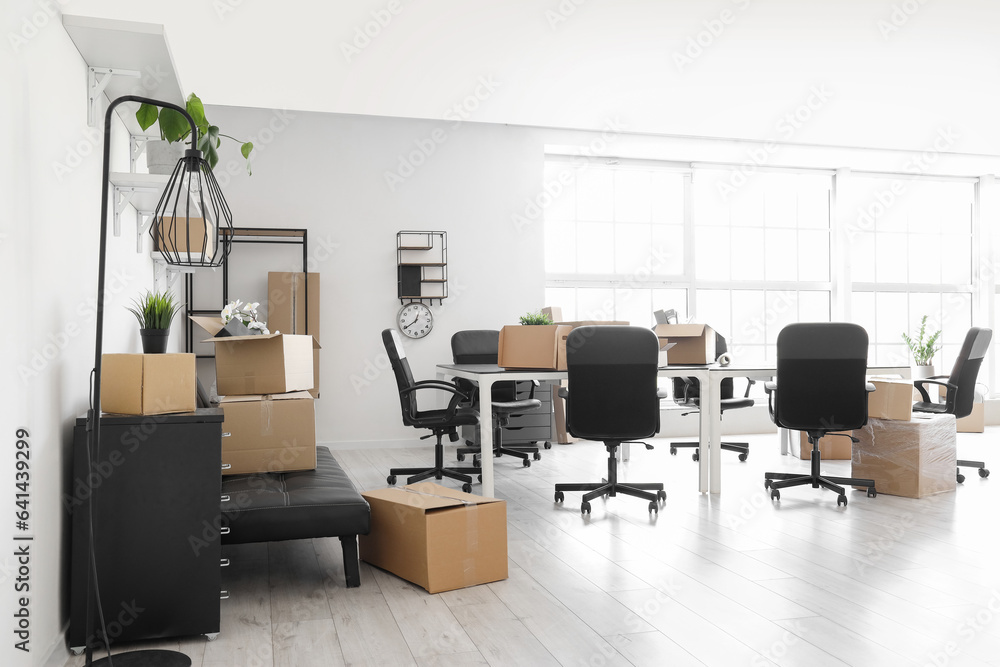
(728,579)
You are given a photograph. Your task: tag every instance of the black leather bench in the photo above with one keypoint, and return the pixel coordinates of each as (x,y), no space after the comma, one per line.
(270,507)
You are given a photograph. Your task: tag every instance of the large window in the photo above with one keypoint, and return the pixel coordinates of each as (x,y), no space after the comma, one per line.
(750,254)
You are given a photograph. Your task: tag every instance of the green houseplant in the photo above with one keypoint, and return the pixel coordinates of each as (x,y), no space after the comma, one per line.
(154,312)
(536,318)
(923,349)
(174,129)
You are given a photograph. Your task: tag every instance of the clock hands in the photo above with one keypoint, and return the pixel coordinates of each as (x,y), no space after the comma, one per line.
(407,326)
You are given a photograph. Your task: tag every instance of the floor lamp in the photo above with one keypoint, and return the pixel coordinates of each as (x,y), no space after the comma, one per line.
(191,212)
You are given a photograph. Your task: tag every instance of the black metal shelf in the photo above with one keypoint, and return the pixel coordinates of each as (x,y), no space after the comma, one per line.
(413,274)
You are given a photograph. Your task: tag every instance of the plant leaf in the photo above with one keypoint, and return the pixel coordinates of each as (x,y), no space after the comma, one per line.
(173,125)
(209,145)
(197,110)
(146,115)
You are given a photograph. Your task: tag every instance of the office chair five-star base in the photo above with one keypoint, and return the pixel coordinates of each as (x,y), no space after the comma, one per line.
(612,487)
(781,480)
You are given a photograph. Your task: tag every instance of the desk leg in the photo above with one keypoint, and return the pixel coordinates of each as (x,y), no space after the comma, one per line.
(714,433)
(784,441)
(704,436)
(486,435)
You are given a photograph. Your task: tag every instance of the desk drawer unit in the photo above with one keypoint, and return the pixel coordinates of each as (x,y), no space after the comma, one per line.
(535,426)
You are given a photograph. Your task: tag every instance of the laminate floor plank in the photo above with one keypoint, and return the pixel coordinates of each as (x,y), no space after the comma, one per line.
(297,583)
(501,637)
(307,644)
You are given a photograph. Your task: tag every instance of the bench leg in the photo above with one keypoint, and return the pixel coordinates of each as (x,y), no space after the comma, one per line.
(349,544)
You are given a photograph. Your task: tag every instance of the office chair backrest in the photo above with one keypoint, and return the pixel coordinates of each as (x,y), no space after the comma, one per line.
(612,383)
(966,369)
(401,369)
(821,377)
(694,390)
(480,346)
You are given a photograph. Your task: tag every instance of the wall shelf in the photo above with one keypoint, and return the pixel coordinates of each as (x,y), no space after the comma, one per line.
(421,266)
(124,58)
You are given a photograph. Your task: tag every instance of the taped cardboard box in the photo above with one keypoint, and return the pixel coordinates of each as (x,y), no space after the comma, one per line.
(288,306)
(692,343)
(913,459)
(892,399)
(269,433)
(534,346)
(148,384)
(436,537)
(260,364)
(831,447)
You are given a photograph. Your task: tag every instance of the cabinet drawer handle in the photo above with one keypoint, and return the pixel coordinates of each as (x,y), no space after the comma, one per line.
(224,530)
(227,466)
(223,595)
(226,435)
(224,562)
(225,499)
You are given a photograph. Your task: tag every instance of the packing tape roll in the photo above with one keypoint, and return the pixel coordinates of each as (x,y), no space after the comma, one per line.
(725,359)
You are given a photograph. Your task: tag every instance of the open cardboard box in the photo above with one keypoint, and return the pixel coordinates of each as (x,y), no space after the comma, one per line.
(260,364)
(534,346)
(436,537)
(692,343)
(287,306)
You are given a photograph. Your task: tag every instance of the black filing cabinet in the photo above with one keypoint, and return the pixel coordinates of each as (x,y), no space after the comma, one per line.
(526,428)
(155,489)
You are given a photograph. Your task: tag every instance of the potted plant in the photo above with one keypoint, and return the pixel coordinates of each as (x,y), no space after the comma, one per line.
(923,350)
(154,311)
(536,318)
(162,155)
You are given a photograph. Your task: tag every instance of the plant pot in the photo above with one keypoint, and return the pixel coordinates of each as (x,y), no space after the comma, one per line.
(162,156)
(154,341)
(921,372)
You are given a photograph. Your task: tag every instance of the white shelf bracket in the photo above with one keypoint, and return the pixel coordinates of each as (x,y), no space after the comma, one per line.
(123,197)
(144,219)
(137,146)
(98,79)
(165,275)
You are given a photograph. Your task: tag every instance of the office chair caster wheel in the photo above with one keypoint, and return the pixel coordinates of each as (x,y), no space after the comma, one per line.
(391,480)
(547,445)
(872,492)
(673,450)
(984,473)
(480,478)
(841,500)
(653,508)
(526,463)
(460,457)
(661,495)
(775,494)
(694,457)
(560,497)
(585,507)
(477,462)
(743,456)
(767,484)
(536,456)
(467,488)
(960,478)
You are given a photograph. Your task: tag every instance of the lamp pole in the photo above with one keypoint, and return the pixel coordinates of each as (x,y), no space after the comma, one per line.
(94,413)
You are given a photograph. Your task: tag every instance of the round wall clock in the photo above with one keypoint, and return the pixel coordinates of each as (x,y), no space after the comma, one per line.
(415,320)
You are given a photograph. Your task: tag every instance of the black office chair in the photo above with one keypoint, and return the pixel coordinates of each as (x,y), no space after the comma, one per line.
(961,386)
(612,396)
(482,346)
(820,388)
(439,421)
(687,394)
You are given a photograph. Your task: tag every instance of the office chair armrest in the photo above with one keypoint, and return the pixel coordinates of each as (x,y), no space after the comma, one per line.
(770,385)
(534,383)
(688,383)
(919,384)
(869,387)
(750,383)
(661,393)
(562,392)
(440,385)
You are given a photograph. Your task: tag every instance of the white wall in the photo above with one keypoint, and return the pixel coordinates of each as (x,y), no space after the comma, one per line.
(48,254)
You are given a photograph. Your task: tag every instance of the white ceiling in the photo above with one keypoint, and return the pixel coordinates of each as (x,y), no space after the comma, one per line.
(888,78)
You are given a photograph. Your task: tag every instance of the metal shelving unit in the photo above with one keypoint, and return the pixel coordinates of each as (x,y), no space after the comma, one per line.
(421,266)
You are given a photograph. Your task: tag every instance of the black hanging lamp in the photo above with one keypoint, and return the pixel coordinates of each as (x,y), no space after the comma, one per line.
(192,226)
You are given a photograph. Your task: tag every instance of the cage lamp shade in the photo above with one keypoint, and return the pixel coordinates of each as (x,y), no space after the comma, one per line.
(192,224)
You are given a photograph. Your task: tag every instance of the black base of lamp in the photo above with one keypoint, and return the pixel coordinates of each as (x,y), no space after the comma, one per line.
(146,659)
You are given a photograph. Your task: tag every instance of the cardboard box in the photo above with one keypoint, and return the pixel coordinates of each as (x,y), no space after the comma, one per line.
(534,346)
(148,384)
(262,363)
(831,448)
(563,436)
(911,459)
(974,422)
(892,399)
(436,537)
(693,343)
(176,237)
(269,433)
(554,312)
(587,323)
(286,309)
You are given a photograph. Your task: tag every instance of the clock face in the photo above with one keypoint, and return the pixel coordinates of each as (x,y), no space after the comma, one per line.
(415,320)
